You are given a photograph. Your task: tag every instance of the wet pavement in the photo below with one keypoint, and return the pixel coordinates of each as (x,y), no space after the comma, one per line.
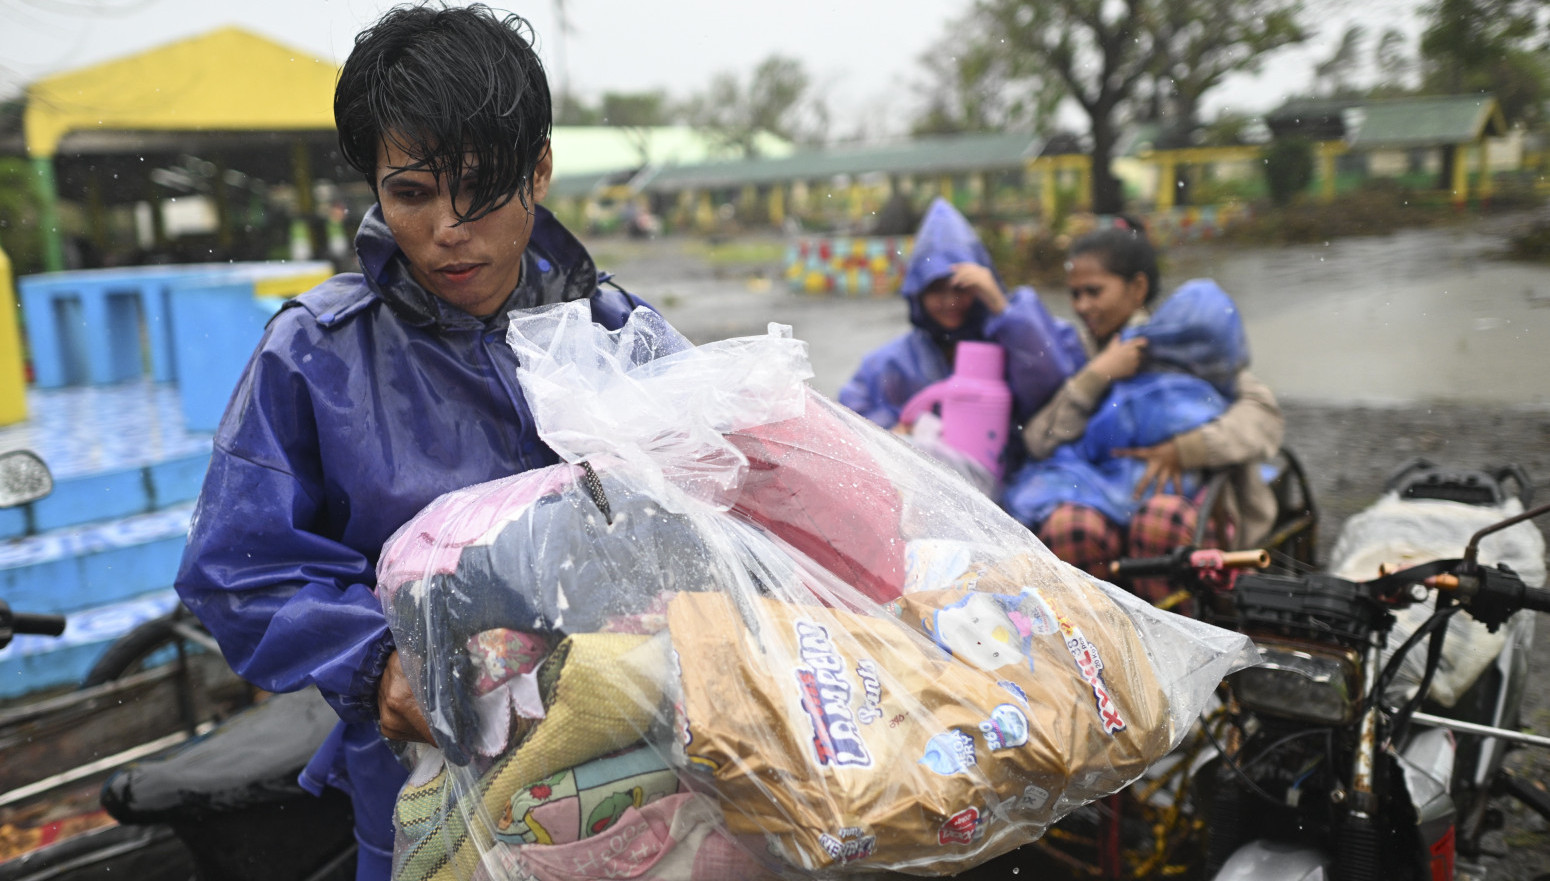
(1418,316)
(1414,317)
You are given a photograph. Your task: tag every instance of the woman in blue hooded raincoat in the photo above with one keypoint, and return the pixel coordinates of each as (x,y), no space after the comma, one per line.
(373,394)
(954,295)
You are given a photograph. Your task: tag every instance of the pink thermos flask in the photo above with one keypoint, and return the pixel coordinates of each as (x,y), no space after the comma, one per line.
(976,405)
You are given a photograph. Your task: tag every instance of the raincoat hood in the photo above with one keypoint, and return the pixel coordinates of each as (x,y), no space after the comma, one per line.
(556,268)
(945,238)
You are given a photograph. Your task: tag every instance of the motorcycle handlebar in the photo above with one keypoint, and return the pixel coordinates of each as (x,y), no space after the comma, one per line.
(1142,567)
(37,625)
(1535,599)
(1492,595)
(1188,558)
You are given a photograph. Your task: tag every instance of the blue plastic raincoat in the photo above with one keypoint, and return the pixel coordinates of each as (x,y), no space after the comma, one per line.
(367,398)
(1041,351)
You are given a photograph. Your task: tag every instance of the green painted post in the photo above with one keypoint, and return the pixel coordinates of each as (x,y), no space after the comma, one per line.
(48,195)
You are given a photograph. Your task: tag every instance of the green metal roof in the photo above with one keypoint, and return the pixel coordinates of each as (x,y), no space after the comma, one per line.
(934,155)
(1425,122)
(594,149)
(577,185)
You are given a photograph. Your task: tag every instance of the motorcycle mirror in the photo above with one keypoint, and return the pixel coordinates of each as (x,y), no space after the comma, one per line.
(1472,550)
(23,478)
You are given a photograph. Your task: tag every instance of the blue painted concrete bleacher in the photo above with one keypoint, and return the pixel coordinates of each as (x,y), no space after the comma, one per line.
(84,327)
(115,451)
(103,548)
(217,323)
(77,568)
(133,369)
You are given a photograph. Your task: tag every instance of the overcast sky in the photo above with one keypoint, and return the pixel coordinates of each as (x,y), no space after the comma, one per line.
(863,52)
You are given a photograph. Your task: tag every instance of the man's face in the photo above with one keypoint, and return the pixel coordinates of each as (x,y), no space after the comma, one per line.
(474,266)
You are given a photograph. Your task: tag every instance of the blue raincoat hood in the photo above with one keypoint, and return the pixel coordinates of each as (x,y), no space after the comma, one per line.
(945,237)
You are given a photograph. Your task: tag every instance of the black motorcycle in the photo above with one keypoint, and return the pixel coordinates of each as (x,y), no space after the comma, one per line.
(1319,771)
(200,778)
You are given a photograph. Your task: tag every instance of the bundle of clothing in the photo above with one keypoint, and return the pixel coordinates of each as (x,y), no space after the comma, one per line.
(1196,347)
(741,632)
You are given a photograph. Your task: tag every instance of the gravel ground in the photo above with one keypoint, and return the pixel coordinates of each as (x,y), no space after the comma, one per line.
(1348,449)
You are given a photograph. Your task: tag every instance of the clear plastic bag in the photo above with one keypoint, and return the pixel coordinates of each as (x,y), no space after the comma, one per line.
(926,435)
(743,632)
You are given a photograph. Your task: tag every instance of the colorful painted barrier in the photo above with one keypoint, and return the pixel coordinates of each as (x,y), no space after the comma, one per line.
(1191,223)
(847,265)
(1195,223)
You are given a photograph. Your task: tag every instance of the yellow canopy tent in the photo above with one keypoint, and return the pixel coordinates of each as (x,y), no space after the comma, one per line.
(225,81)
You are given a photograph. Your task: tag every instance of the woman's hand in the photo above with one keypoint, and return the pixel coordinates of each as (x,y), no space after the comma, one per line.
(1120,359)
(399,714)
(981,282)
(1162,468)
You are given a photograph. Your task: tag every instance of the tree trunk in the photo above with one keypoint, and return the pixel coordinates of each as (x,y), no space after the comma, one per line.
(1187,112)
(1107,195)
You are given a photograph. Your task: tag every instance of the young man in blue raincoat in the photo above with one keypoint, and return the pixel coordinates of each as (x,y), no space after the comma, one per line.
(954,295)
(372,394)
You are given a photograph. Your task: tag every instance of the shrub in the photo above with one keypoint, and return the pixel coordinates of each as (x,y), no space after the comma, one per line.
(1288,168)
(1375,208)
(21,209)
(1532,243)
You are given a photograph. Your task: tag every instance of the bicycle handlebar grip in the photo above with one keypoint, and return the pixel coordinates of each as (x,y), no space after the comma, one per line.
(37,625)
(1141,567)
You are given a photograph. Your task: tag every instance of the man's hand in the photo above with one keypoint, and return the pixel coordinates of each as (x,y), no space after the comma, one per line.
(981,282)
(1162,468)
(399,714)
(1120,359)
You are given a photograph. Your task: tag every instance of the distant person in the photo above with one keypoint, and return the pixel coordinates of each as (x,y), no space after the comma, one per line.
(372,394)
(897,217)
(954,295)
(1154,373)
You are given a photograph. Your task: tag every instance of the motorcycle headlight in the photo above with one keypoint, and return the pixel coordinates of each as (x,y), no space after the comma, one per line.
(1304,683)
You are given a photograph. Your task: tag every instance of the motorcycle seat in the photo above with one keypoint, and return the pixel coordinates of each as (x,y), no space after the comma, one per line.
(250,760)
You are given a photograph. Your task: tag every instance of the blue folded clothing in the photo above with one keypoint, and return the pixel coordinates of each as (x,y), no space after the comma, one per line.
(1142,411)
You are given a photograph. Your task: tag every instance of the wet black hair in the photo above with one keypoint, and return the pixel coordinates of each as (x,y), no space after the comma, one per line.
(456,88)
(1123,249)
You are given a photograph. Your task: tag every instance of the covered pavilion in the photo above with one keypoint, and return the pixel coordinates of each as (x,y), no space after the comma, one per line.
(221,114)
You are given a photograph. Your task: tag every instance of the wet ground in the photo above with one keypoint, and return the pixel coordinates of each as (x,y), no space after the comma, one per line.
(1383,348)
(1419,316)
